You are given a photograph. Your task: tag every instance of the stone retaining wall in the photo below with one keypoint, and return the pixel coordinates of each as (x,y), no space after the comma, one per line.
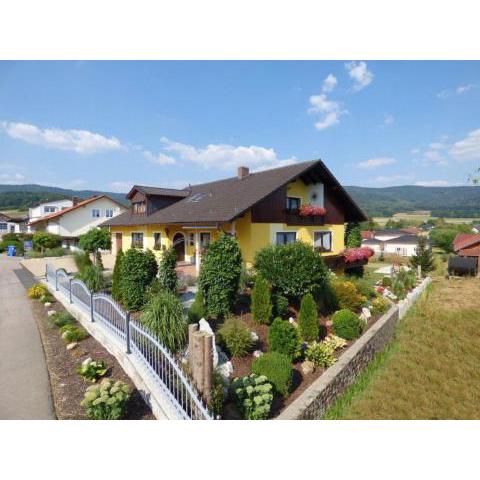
(313,403)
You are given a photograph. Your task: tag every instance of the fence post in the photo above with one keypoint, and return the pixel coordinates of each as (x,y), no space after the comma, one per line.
(46,272)
(127,331)
(56,281)
(91,306)
(70,288)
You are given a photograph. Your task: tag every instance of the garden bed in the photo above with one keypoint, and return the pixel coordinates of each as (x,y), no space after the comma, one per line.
(68,387)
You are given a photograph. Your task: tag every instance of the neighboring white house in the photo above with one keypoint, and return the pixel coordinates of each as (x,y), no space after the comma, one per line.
(476,228)
(10,224)
(76,220)
(47,208)
(398,243)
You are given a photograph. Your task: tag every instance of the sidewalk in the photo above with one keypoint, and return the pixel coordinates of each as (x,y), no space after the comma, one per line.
(24,384)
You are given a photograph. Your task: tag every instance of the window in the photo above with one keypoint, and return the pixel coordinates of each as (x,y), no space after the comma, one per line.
(12,228)
(48,209)
(191,239)
(109,213)
(3,226)
(137,240)
(157,240)
(95,213)
(323,241)
(293,203)
(285,237)
(139,207)
(204,239)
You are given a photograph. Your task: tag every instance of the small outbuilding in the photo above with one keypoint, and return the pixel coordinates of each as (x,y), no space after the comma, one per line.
(462,266)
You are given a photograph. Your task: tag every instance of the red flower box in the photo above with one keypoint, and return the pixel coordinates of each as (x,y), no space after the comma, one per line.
(311,211)
(357,254)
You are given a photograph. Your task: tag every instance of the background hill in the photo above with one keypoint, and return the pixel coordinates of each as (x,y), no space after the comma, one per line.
(461,201)
(377,202)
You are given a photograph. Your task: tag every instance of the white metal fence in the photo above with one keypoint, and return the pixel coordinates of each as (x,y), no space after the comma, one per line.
(159,364)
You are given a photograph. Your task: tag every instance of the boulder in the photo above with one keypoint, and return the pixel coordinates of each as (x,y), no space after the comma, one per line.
(204,326)
(51,312)
(254,337)
(308,367)
(225,369)
(72,345)
(257,353)
(366,312)
(87,361)
(47,304)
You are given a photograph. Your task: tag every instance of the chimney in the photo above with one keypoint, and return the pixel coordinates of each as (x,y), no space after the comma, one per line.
(243,172)
(75,200)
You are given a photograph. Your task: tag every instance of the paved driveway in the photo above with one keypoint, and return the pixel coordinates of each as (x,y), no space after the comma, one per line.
(24,385)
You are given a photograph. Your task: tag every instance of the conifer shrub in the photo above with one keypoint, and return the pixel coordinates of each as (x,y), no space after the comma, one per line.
(347,324)
(138,269)
(197,309)
(277,367)
(163,316)
(283,337)
(167,274)
(308,319)
(280,306)
(235,336)
(117,277)
(261,301)
(220,275)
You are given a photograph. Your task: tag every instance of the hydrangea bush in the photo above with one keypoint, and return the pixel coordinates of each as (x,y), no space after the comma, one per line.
(253,396)
(106,401)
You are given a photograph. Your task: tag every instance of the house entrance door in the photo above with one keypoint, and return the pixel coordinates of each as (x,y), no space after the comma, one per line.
(179,246)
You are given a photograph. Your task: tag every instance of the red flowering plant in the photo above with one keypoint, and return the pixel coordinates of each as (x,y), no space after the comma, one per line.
(311,211)
(352,255)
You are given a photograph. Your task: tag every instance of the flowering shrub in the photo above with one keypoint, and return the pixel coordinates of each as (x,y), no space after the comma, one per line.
(254,396)
(379,305)
(37,290)
(347,295)
(311,210)
(352,255)
(91,370)
(321,354)
(106,401)
(335,342)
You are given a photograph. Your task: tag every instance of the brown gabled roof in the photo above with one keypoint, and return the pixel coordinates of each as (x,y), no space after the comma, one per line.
(165,192)
(224,200)
(75,207)
(464,240)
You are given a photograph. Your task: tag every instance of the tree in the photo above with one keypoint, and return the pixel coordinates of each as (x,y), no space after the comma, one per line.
(44,240)
(353,236)
(308,319)
(220,275)
(138,269)
(117,277)
(423,256)
(94,240)
(443,237)
(261,301)
(167,271)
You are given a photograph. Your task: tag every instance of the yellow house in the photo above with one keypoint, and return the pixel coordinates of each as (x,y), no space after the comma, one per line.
(302,202)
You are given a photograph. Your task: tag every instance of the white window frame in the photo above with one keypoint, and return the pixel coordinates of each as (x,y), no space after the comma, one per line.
(96,210)
(49,209)
(293,196)
(107,210)
(143,239)
(285,231)
(331,239)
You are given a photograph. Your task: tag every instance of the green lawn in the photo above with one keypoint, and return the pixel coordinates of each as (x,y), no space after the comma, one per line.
(431,370)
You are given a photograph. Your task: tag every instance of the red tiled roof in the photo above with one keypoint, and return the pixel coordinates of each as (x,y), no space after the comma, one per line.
(366,234)
(463,240)
(69,209)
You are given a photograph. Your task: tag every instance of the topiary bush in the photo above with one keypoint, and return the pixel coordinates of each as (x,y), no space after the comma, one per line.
(138,269)
(253,396)
(347,324)
(82,260)
(197,309)
(235,336)
(117,277)
(106,401)
(292,269)
(347,295)
(163,316)
(44,240)
(167,274)
(308,319)
(261,301)
(220,275)
(277,367)
(283,337)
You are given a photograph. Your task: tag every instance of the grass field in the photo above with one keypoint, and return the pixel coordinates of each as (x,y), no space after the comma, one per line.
(15,213)
(431,370)
(418,219)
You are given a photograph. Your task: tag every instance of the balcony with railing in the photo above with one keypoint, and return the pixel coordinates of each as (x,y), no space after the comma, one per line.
(297,216)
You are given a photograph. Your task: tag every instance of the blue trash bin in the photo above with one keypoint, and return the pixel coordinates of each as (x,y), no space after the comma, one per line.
(11,250)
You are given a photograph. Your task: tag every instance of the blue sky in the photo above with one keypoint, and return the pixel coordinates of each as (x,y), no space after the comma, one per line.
(108,125)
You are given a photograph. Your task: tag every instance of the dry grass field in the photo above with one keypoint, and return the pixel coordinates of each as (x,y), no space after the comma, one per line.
(418,219)
(431,370)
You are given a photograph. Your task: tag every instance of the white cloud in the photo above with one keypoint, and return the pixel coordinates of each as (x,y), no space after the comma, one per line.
(388,119)
(12,178)
(120,186)
(80,141)
(415,151)
(360,74)
(463,88)
(159,158)
(443,94)
(437,146)
(227,157)
(331,111)
(376,162)
(388,180)
(434,156)
(432,183)
(467,148)
(329,83)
